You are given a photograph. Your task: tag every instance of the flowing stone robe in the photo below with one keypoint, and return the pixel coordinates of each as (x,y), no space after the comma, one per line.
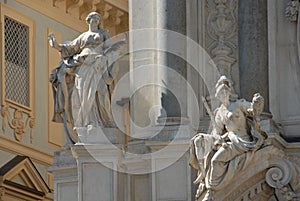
(231,145)
(85,98)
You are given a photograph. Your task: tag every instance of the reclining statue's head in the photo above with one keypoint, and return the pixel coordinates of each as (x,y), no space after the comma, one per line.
(223,89)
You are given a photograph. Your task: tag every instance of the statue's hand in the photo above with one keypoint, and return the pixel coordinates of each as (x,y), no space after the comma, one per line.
(51,39)
(52,42)
(257,104)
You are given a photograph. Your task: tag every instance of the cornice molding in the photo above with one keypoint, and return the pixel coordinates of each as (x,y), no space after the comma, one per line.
(72,13)
(17,148)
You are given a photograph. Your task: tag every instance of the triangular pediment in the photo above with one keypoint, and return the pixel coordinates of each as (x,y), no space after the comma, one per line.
(20,172)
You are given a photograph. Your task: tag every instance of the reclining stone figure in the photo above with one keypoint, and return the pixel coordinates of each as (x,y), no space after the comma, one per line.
(235,137)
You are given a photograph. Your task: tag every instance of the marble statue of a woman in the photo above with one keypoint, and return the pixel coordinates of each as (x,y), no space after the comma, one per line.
(236,135)
(84,79)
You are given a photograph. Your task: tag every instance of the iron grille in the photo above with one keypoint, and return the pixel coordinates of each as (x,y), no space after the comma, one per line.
(16,50)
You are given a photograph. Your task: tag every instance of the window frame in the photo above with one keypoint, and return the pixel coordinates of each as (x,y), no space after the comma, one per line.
(6,11)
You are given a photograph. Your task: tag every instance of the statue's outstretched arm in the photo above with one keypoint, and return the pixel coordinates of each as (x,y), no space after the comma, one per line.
(53,43)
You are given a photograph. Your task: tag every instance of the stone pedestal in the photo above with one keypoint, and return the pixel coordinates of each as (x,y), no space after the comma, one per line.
(65,174)
(97,175)
(171,178)
(99,168)
(95,135)
(161,174)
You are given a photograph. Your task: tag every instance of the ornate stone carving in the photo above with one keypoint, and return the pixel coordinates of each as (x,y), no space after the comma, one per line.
(104,8)
(115,17)
(56,2)
(292,10)
(279,177)
(17,123)
(87,7)
(124,24)
(221,28)
(73,4)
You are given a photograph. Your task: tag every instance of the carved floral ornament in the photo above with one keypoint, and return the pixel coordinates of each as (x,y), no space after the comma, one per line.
(18,123)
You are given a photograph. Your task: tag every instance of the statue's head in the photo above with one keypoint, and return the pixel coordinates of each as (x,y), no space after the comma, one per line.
(93,15)
(223,89)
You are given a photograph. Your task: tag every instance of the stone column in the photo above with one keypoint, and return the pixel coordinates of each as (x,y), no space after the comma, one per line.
(253,49)
(171,15)
(144,96)
(157,77)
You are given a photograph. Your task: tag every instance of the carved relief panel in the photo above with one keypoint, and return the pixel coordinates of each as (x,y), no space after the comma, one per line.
(213,25)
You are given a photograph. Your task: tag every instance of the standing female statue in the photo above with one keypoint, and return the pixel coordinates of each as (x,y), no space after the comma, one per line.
(84,80)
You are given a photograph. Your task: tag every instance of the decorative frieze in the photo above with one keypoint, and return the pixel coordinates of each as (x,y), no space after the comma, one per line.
(112,15)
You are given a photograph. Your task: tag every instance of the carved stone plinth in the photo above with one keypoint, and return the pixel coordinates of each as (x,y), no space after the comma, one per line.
(64,170)
(96,165)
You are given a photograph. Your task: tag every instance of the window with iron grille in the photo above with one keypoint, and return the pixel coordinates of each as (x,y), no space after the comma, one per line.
(16,56)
